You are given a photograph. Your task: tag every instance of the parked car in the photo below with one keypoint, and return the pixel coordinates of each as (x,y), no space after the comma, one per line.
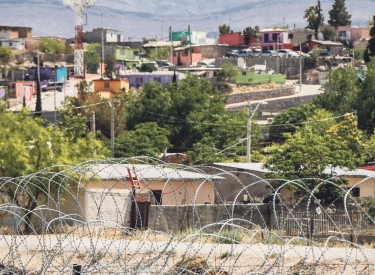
(256,52)
(269,53)
(322,52)
(205,64)
(244,53)
(286,53)
(51,87)
(163,63)
(231,53)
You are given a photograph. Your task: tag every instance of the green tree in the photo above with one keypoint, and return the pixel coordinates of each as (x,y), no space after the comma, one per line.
(329,32)
(249,32)
(110,65)
(5,54)
(228,72)
(290,120)
(315,18)
(148,139)
(92,61)
(340,92)
(308,160)
(224,29)
(315,53)
(29,147)
(370,48)
(147,67)
(160,53)
(338,16)
(365,103)
(51,45)
(84,88)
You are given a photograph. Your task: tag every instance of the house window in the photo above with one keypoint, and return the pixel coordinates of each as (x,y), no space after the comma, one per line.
(106,84)
(139,80)
(266,38)
(122,51)
(135,53)
(158,79)
(355,192)
(275,36)
(342,33)
(290,35)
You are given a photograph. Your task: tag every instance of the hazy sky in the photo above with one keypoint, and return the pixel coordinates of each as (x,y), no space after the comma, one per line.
(150,18)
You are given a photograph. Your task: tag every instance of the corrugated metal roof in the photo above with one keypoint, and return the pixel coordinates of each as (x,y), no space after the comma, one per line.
(148,172)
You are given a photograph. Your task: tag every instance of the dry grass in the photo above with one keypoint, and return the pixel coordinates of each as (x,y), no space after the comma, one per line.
(238,89)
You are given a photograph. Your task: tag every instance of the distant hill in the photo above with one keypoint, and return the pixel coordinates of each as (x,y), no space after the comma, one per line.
(151,18)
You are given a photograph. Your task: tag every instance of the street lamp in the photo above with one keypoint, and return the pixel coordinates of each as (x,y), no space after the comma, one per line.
(249,116)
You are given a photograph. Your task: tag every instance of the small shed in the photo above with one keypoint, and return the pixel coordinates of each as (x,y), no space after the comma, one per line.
(334,48)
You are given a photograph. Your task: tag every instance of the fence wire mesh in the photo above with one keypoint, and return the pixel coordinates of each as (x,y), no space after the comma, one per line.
(144,216)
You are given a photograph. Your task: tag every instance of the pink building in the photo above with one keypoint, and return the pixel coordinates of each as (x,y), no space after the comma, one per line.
(235,39)
(186,56)
(16,86)
(352,32)
(273,39)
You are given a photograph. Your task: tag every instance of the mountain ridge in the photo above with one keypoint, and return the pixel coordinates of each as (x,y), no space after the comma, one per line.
(152,18)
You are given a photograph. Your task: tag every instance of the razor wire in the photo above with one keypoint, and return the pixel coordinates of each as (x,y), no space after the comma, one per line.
(141,215)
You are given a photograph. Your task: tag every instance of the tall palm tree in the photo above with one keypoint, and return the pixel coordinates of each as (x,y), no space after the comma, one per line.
(311,16)
(314,16)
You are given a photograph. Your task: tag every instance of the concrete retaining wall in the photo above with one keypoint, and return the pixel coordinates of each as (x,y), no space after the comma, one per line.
(179,218)
(237,98)
(288,66)
(276,105)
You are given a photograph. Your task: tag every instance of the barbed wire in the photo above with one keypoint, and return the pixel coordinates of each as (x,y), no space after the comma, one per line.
(143,216)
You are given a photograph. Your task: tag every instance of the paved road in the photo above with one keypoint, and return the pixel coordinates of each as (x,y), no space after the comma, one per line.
(306,90)
(51,99)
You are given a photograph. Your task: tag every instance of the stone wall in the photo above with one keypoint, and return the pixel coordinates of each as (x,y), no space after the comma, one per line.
(276,105)
(288,66)
(170,219)
(242,97)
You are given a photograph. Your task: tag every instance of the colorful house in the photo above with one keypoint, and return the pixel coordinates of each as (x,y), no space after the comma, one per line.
(235,39)
(16,88)
(138,79)
(274,39)
(109,87)
(125,55)
(346,33)
(186,56)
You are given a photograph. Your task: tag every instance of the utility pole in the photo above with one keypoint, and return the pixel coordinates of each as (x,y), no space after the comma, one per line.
(277,55)
(300,67)
(113,127)
(191,57)
(93,127)
(170,39)
(162,34)
(38,104)
(156,45)
(248,136)
(54,88)
(102,46)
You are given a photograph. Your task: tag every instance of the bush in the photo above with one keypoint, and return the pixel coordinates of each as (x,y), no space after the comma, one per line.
(228,72)
(358,54)
(51,45)
(5,54)
(228,236)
